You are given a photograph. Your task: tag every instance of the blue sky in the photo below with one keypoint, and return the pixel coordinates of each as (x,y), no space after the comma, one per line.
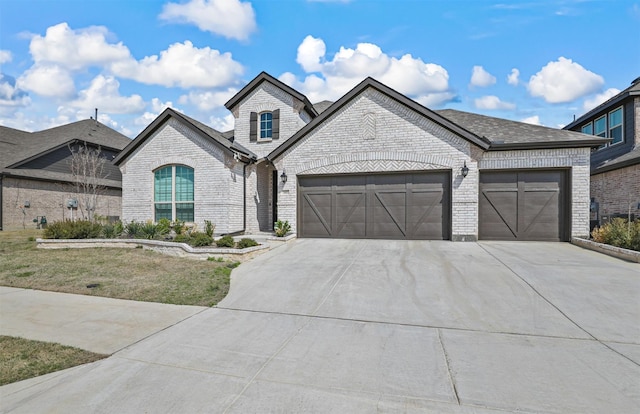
(534,61)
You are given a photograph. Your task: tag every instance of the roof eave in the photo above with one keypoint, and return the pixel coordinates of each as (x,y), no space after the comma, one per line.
(548,145)
(603,106)
(57,147)
(616,166)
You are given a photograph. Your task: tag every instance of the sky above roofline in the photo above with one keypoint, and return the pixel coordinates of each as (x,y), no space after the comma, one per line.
(541,62)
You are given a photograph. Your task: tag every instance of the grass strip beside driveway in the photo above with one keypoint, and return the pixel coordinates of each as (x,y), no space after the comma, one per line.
(21,358)
(133,274)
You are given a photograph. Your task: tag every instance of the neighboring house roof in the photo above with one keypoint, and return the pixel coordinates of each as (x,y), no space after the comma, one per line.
(17,146)
(320,107)
(20,147)
(265,77)
(630,158)
(504,134)
(216,137)
(391,93)
(633,90)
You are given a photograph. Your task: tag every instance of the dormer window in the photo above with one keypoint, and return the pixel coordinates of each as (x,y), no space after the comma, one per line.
(264,126)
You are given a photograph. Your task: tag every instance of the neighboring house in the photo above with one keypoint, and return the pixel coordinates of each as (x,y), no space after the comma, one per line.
(615,166)
(36,177)
(374,164)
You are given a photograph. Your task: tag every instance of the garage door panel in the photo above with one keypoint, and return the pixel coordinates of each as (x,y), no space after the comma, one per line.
(350,214)
(316,214)
(526,205)
(393,206)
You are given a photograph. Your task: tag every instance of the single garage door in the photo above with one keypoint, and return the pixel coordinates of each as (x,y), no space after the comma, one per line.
(375,206)
(523,205)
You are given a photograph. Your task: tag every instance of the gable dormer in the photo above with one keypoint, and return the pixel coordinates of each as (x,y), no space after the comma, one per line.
(267,112)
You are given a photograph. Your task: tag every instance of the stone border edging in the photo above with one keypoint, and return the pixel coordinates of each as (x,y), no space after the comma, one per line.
(607,249)
(168,248)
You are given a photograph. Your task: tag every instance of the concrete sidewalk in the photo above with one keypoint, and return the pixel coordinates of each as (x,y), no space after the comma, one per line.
(92,323)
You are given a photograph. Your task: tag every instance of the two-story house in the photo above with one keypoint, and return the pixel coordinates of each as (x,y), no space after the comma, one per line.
(615,165)
(373,164)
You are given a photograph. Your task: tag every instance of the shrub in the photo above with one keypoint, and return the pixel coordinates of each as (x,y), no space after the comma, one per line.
(181,238)
(200,239)
(225,241)
(209,227)
(246,242)
(110,231)
(618,232)
(133,229)
(282,228)
(148,230)
(164,226)
(178,226)
(67,229)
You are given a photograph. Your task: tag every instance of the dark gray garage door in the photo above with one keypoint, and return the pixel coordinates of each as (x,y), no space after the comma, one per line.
(375,206)
(523,205)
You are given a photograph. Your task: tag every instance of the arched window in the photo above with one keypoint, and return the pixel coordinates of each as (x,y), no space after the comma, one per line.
(173,193)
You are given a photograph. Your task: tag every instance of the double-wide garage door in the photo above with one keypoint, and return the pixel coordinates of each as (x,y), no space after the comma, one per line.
(523,205)
(376,206)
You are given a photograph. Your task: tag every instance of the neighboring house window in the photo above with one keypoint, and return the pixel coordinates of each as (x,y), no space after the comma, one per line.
(265,126)
(587,129)
(600,127)
(615,126)
(173,193)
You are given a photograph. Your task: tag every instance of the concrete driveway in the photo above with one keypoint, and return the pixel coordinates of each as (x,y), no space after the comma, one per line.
(383,326)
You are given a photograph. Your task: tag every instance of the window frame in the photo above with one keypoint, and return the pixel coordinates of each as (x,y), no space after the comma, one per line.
(620,125)
(268,129)
(589,125)
(177,203)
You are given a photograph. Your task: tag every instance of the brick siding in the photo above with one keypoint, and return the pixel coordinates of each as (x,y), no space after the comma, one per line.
(616,190)
(47,199)
(218,186)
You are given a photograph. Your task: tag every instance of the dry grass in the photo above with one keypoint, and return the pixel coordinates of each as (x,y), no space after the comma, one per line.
(22,358)
(134,274)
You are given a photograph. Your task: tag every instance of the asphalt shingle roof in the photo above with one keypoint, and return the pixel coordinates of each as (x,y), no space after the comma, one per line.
(16,145)
(503,132)
(630,158)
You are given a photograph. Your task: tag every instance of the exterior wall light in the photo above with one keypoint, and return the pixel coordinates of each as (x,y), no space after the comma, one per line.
(283,177)
(464,170)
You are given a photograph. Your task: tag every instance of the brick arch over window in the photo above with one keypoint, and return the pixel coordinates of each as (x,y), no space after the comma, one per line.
(374,161)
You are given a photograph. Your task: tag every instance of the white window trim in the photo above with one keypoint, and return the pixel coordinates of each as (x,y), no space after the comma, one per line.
(259,129)
(173,192)
(611,144)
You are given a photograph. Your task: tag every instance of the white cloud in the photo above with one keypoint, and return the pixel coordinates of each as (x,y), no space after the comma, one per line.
(533,120)
(481,78)
(104,94)
(10,95)
(514,77)
(48,80)
(208,100)
(230,18)
(5,56)
(182,65)
(156,108)
(76,49)
(589,104)
(563,81)
(426,82)
(492,102)
(223,124)
(310,53)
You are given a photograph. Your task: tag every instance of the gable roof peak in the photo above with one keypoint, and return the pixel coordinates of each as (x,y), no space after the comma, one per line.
(265,77)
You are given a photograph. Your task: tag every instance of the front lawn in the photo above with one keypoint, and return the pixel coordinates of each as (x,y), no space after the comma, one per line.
(22,358)
(134,274)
